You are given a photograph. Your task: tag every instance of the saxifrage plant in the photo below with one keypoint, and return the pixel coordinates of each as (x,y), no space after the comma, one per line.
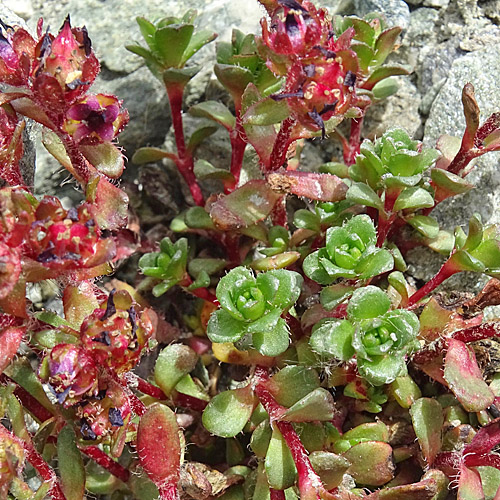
(299,361)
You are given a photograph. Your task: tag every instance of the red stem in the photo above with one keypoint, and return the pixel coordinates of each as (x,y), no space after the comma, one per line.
(478,332)
(28,401)
(445,272)
(278,215)
(184,162)
(354,141)
(461,160)
(281,144)
(105,461)
(308,479)
(168,491)
(238,145)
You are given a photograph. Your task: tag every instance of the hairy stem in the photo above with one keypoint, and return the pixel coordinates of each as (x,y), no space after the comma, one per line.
(445,272)
(168,492)
(238,144)
(184,161)
(277,494)
(105,461)
(281,144)
(351,149)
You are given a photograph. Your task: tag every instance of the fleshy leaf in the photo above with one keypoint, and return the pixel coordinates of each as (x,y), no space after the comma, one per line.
(368,302)
(70,464)
(427,418)
(464,377)
(330,467)
(215,111)
(10,340)
(332,337)
(229,411)
(174,361)
(159,445)
(280,467)
(371,463)
(273,342)
(222,327)
(363,194)
(428,226)
(106,158)
(414,198)
(150,155)
(317,405)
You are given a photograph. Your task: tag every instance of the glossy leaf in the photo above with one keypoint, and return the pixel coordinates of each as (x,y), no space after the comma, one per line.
(333,338)
(413,198)
(371,463)
(106,158)
(368,302)
(317,405)
(215,111)
(363,195)
(280,467)
(330,467)
(151,155)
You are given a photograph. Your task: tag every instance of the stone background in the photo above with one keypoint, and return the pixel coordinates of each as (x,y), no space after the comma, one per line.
(446,42)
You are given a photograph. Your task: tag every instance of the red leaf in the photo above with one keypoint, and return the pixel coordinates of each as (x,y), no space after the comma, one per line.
(469,485)
(10,338)
(485,440)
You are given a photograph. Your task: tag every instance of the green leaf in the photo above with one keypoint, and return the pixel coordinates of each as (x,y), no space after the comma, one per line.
(332,296)
(332,337)
(371,463)
(198,136)
(281,288)
(405,391)
(465,378)
(266,112)
(413,198)
(382,369)
(368,302)
(385,44)
(234,78)
(385,88)
(280,467)
(229,411)
(198,218)
(451,183)
(362,194)
(174,361)
(170,42)
(374,262)
(222,327)
(428,226)
(51,318)
(245,206)
(215,111)
(274,342)
(70,463)
(261,436)
(198,40)
(384,72)
(277,261)
(174,76)
(292,383)
(318,405)
(330,467)
(205,170)
(148,30)
(150,155)
(106,158)
(187,385)
(427,419)
(371,431)
(305,219)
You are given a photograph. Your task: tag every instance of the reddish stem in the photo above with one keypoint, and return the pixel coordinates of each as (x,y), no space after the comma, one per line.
(238,145)
(278,215)
(105,461)
(352,147)
(28,401)
(461,160)
(187,401)
(281,144)
(475,460)
(277,494)
(184,161)
(445,272)
(168,491)
(202,293)
(308,479)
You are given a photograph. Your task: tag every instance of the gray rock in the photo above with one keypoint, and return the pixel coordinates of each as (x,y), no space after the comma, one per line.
(446,117)
(396,12)
(437,3)
(22,8)
(491,9)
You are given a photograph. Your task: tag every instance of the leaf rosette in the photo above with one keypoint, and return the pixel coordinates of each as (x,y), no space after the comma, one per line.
(253,306)
(350,252)
(380,338)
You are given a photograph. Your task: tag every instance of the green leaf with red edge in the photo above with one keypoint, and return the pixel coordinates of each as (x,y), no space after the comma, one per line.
(70,463)
(426,489)
(371,463)
(427,418)
(266,111)
(464,377)
(159,446)
(469,484)
(320,187)
(215,111)
(15,302)
(106,158)
(485,439)
(29,109)
(245,206)
(150,155)
(199,135)
(385,44)
(330,467)
(110,204)
(234,78)
(10,339)
(229,411)
(384,72)
(170,42)
(56,148)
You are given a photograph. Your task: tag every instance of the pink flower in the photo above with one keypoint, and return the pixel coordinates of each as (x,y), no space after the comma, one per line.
(96,118)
